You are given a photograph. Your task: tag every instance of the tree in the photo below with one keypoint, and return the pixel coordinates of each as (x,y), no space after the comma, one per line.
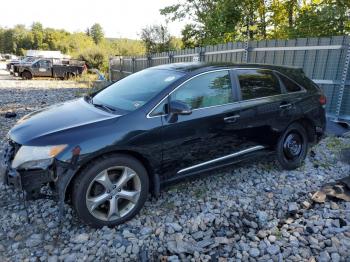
(175,43)
(95,58)
(38,35)
(127,47)
(329,17)
(96,33)
(79,45)
(190,36)
(219,21)
(213,21)
(156,38)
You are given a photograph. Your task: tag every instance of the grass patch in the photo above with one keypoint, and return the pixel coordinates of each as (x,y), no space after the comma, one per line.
(86,77)
(334,144)
(278,233)
(169,205)
(200,192)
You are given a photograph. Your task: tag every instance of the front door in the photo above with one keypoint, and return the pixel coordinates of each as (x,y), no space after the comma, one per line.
(208,135)
(43,68)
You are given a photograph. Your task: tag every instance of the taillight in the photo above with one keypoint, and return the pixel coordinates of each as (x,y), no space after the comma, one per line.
(322,100)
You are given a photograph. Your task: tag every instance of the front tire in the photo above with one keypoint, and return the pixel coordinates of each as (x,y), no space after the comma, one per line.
(292,147)
(110,191)
(27,75)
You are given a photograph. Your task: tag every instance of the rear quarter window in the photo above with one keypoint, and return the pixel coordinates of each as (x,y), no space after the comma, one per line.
(289,84)
(299,76)
(257,83)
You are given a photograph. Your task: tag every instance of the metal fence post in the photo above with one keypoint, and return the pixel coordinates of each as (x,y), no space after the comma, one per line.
(121,62)
(149,61)
(246,52)
(109,69)
(133,60)
(202,55)
(343,82)
(171,57)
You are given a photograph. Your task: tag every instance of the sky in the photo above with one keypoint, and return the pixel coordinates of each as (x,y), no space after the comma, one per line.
(119,18)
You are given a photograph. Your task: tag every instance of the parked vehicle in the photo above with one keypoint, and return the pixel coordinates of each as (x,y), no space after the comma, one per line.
(49,68)
(13,65)
(107,151)
(12,62)
(9,57)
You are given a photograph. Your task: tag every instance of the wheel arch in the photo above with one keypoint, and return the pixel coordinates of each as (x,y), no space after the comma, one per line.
(153,178)
(26,70)
(309,126)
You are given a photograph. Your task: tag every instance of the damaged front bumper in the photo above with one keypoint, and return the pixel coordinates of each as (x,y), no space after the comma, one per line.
(31,181)
(55,173)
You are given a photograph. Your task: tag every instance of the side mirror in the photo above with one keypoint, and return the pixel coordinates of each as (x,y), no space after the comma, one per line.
(177,107)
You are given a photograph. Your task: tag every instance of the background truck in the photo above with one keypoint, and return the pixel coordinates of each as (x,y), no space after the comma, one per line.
(55,68)
(12,66)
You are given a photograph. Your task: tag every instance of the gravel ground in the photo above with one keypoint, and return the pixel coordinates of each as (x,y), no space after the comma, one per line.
(248,212)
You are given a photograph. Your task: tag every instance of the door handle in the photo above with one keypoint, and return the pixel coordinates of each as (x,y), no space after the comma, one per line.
(231,119)
(286,106)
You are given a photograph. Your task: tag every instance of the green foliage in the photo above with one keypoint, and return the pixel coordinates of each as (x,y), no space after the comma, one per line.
(157,39)
(127,47)
(221,21)
(79,45)
(38,35)
(200,192)
(96,32)
(190,36)
(95,58)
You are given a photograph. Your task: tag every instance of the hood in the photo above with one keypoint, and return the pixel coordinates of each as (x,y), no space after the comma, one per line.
(24,63)
(57,119)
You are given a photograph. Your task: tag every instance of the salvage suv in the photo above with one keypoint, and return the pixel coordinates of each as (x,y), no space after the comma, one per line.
(106,152)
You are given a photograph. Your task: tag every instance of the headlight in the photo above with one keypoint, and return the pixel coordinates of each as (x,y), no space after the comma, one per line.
(36,156)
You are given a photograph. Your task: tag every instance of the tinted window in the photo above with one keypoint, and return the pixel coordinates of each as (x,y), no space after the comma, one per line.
(159,110)
(258,83)
(44,64)
(209,89)
(137,89)
(290,85)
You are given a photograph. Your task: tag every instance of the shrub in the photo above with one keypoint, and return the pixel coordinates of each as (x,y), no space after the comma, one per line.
(95,58)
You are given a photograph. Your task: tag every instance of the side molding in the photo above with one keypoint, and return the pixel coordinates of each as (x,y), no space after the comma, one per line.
(239,153)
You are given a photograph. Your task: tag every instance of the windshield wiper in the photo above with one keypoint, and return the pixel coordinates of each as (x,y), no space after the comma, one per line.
(89,99)
(103,106)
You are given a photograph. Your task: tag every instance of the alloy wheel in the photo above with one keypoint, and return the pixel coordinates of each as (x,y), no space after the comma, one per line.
(113,193)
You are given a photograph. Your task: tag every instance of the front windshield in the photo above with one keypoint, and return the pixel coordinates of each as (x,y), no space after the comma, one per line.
(137,89)
(27,59)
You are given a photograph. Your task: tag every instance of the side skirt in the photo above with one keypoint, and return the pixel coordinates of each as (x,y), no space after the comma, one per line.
(217,164)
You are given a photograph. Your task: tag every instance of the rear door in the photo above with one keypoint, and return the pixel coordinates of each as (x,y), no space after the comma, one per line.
(265,108)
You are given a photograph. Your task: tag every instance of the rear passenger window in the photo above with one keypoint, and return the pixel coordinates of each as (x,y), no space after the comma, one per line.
(290,85)
(258,83)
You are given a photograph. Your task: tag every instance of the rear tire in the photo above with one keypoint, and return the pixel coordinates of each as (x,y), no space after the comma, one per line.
(292,147)
(69,76)
(27,75)
(110,191)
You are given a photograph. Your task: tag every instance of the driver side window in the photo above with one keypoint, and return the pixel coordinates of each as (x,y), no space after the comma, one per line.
(44,64)
(210,89)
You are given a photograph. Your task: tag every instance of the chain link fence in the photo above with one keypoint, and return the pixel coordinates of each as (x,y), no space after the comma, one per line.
(325,60)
